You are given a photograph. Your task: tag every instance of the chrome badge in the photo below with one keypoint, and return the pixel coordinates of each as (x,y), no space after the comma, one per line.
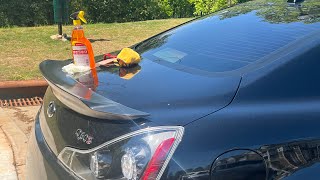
(51,109)
(83,136)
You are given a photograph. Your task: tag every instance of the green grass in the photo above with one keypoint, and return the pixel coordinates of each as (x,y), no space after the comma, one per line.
(22,49)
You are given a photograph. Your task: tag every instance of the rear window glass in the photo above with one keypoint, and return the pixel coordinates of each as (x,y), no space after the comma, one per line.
(215,45)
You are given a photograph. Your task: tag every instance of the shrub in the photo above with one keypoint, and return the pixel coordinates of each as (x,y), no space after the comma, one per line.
(40,12)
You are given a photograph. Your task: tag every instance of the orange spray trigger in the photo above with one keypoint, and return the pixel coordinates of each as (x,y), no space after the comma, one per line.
(81,16)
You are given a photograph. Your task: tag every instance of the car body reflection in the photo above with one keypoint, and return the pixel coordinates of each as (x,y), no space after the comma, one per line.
(285,159)
(278,161)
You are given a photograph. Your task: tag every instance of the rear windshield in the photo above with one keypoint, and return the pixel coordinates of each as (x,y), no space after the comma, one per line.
(229,41)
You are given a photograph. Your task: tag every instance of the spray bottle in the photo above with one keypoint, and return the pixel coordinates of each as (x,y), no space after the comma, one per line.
(81,47)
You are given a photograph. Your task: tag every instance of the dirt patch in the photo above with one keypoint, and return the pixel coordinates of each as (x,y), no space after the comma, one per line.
(23,117)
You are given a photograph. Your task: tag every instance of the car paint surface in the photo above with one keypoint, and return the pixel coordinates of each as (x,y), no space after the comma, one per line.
(272,110)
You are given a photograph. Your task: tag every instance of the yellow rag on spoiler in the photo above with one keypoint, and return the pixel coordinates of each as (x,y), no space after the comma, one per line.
(128,57)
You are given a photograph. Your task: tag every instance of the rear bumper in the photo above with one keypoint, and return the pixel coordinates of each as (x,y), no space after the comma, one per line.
(41,162)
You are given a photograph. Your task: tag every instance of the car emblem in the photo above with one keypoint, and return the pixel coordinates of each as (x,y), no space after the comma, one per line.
(83,136)
(51,109)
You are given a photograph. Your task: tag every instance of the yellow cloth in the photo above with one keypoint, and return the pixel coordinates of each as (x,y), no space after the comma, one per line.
(129,57)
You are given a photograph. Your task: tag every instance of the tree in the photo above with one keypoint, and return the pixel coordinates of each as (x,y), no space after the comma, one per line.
(203,7)
(25,12)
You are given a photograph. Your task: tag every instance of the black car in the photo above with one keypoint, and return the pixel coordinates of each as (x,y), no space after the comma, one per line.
(233,95)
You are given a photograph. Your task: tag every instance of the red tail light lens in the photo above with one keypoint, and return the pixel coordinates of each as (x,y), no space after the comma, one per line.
(158,160)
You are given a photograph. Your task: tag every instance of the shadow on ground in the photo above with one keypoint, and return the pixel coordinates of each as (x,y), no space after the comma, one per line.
(91,40)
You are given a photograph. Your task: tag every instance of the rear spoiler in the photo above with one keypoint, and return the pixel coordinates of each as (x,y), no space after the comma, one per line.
(70,92)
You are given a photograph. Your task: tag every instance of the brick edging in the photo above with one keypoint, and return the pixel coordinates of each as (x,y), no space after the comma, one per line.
(22,84)
(22,89)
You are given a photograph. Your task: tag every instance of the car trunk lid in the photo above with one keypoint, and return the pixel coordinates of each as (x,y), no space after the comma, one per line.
(91,113)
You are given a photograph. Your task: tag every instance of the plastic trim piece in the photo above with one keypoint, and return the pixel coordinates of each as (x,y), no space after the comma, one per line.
(97,106)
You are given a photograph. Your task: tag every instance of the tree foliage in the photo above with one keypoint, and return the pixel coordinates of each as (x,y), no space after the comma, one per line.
(137,10)
(25,12)
(40,12)
(203,7)
(279,12)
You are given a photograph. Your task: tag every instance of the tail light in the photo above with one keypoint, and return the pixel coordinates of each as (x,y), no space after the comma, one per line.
(143,154)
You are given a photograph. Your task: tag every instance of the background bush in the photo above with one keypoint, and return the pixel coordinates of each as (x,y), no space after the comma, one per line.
(40,12)
(25,12)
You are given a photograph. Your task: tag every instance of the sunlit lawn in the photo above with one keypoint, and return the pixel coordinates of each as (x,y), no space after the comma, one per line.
(22,49)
